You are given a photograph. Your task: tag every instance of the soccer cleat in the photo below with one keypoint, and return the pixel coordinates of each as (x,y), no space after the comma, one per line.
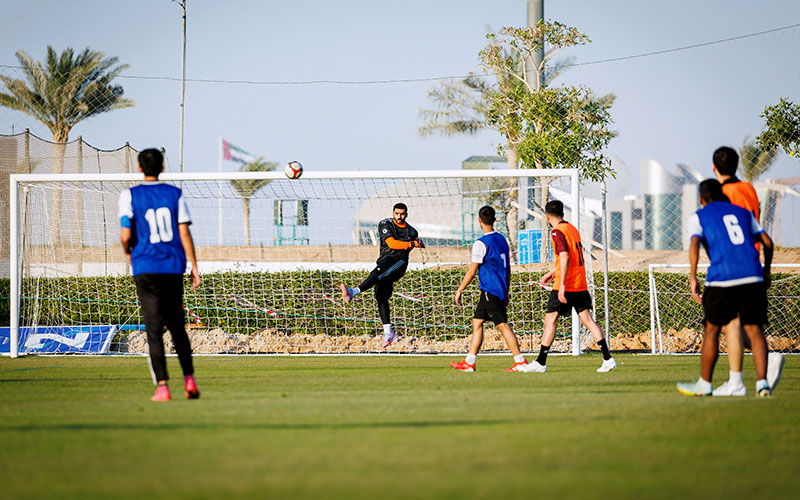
(161,394)
(775,361)
(463,366)
(388,339)
(693,389)
(190,387)
(730,389)
(516,366)
(762,389)
(608,365)
(532,367)
(347,295)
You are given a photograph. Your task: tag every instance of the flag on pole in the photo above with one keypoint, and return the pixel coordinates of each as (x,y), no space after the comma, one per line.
(233,153)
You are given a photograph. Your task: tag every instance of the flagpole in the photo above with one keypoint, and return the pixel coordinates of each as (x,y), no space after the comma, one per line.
(219,195)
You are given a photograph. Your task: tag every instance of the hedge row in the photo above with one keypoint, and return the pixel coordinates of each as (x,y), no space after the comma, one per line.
(299,299)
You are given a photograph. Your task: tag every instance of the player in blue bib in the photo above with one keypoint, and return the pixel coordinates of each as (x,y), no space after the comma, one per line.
(156,239)
(736,283)
(492,264)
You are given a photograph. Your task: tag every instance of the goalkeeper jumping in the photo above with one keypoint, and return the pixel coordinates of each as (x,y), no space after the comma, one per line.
(398,238)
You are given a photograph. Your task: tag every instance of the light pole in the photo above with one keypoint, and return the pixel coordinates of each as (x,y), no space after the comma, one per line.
(183,80)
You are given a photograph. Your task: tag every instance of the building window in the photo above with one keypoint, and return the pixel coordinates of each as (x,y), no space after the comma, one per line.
(636,235)
(636,214)
(616,230)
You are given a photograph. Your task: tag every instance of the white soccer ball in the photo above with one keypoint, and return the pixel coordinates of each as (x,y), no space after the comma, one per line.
(293,170)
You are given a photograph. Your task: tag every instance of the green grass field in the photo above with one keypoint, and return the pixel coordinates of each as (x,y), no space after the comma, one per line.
(392,427)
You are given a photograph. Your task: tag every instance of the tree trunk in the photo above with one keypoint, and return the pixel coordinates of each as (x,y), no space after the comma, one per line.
(512,215)
(246,220)
(545,182)
(59,150)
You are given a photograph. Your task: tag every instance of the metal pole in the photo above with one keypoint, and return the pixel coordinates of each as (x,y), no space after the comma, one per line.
(183,82)
(535,14)
(576,217)
(604,215)
(219,194)
(14,264)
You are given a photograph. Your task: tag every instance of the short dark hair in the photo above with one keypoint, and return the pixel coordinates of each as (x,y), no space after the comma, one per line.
(401,206)
(555,207)
(711,190)
(152,162)
(726,160)
(487,215)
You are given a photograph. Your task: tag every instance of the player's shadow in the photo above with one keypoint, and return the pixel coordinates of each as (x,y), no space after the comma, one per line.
(170,426)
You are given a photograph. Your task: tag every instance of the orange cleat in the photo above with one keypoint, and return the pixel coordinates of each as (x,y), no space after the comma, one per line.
(161,394)
(463,366)
(515,367)
(190,387)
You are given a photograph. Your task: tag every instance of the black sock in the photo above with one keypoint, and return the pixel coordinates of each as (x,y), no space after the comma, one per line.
(542,359)
(604,347)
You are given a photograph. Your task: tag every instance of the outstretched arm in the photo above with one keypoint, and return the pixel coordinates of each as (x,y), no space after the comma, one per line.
(473,269)
(125,237)
(188,248)
(768,249)
(694,256)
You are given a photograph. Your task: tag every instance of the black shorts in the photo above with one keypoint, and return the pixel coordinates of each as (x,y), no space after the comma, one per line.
(492,308)
(722,304)
(579,300)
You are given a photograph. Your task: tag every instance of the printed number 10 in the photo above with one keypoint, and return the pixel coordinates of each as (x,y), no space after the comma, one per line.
(160,221)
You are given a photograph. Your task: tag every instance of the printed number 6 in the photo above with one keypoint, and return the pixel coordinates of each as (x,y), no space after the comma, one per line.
(735,232)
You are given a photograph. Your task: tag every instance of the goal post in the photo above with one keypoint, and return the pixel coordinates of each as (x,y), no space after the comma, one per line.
(676,320)
(271,275)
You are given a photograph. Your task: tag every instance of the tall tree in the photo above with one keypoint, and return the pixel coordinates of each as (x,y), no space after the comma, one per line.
(781,128)
(755,161)
(68,88)
(562,127)
(246,188)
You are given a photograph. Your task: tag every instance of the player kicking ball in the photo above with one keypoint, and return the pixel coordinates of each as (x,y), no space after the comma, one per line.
(736,283)
(398,238)
(490,260)
(570,289)
(156,239)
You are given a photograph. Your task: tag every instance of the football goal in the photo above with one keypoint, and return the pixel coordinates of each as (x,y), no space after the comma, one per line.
(676,321)
(272,252)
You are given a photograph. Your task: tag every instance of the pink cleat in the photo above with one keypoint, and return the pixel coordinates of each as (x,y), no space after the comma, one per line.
(346,294)
(516,366)
(191,387)
(161,394)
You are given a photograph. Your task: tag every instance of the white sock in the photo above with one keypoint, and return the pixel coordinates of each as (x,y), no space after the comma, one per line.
(703,384)
(355,291)
(470,358)
(736,378)
(387,330)
(519,359)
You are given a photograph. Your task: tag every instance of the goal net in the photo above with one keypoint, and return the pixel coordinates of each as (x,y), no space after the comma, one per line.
(272,253)
(677,321)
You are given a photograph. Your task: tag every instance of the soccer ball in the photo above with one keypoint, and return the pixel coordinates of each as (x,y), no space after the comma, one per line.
(293,170)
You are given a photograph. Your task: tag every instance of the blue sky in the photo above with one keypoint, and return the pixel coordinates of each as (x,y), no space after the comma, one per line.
(676,107)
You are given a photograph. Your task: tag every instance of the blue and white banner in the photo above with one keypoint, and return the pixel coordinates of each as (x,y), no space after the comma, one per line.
(92,339)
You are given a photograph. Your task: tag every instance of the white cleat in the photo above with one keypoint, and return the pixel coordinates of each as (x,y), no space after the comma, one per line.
(608,365)
(775,361)
(730,389)
(388,339)
(532,367)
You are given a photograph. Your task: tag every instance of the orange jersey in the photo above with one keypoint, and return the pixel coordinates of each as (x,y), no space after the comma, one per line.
(742,194)
(569,240)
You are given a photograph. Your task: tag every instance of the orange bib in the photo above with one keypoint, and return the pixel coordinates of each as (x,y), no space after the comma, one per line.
(576,273)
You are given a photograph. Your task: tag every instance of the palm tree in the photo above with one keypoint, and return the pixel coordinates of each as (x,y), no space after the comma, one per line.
(246,188)
(67,89)
(755,161)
